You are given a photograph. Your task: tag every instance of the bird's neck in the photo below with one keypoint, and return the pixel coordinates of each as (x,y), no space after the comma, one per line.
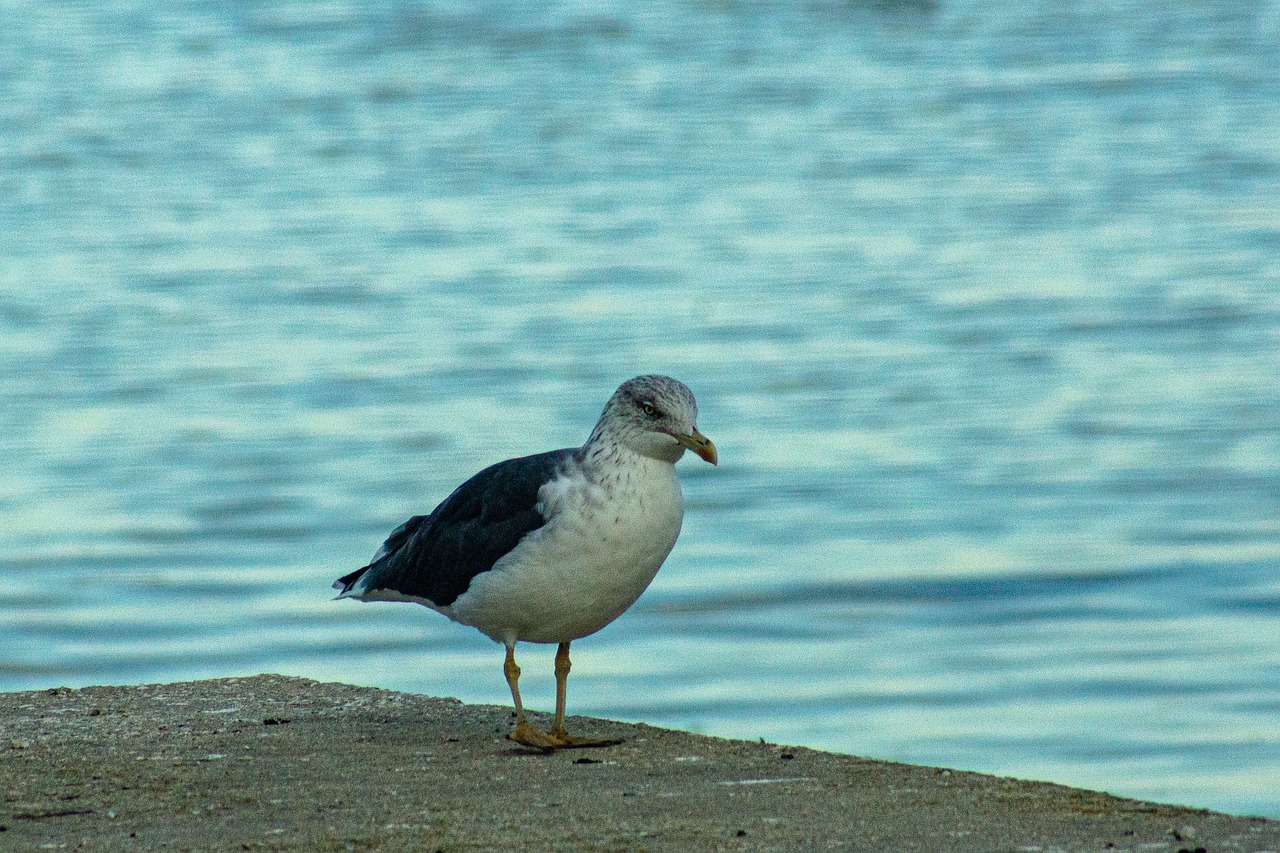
(604,448)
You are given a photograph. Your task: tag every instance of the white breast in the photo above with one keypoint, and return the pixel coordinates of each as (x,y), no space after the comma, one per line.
(606,539)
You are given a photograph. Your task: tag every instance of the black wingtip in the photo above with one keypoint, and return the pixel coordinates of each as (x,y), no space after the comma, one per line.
(346,582)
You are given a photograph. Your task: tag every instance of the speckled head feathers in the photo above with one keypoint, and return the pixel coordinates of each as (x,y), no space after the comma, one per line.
(655,416)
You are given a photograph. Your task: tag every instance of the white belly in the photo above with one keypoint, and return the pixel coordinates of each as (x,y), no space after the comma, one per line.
(586,566)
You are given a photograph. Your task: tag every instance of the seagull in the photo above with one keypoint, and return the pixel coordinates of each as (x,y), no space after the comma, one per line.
(551,547)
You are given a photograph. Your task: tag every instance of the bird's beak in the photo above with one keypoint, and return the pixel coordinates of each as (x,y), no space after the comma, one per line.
(701,445)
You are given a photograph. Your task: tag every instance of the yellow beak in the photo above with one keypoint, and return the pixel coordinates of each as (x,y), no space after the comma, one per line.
(701,445)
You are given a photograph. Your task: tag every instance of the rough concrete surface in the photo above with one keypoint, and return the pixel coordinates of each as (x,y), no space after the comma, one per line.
(273,763)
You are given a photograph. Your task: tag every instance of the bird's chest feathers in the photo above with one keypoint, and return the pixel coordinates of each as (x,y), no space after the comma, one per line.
(604,541)
(628,518)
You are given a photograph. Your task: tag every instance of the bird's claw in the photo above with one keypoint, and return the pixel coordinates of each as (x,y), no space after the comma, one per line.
(526,734)
(568,741)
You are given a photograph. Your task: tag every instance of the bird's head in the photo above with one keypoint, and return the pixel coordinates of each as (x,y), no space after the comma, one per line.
(655,416)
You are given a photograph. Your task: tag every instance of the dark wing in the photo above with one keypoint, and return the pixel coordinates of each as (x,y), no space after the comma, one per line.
(435,556)
(395,542)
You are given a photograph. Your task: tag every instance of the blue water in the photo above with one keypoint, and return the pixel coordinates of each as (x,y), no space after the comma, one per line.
(981,303)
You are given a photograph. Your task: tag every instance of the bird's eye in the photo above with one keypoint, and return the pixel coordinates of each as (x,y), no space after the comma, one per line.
(649,409)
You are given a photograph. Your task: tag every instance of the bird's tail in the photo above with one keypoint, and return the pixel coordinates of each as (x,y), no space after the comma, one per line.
(346,585)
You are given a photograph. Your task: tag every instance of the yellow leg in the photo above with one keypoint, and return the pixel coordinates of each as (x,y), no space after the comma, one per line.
(523,732)
(562,689)
(512,671)
(566,740)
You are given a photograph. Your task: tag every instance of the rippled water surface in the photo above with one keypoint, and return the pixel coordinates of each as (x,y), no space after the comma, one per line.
(981,303)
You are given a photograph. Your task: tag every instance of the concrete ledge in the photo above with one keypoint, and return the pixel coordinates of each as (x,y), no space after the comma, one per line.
(276,763)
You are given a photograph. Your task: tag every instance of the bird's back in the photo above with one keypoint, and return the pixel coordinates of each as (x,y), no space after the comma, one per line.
(433,558)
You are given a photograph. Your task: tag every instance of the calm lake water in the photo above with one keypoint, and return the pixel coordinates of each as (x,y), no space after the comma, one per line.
(981,303)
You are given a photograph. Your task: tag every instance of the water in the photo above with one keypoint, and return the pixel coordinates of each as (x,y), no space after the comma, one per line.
(980,304)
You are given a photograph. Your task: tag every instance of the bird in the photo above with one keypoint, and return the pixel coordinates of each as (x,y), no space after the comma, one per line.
(551,547)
